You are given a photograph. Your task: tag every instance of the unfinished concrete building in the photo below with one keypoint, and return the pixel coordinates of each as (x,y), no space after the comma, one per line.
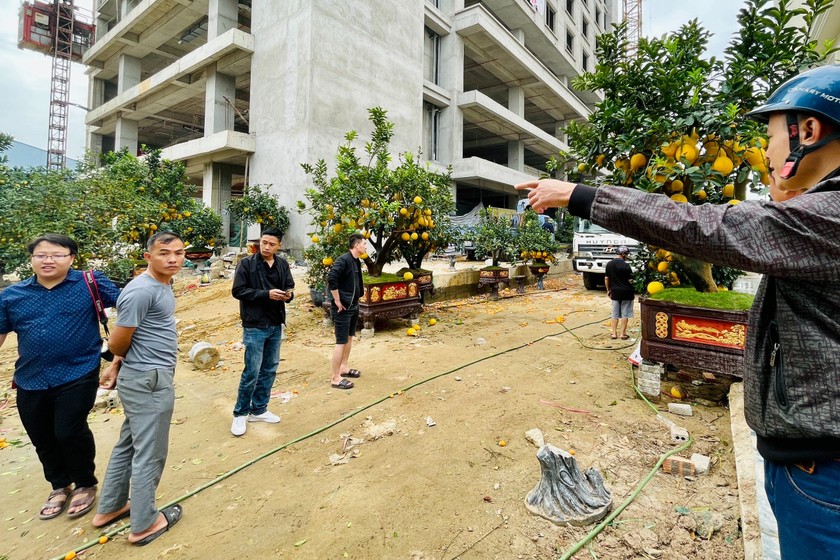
(246,90)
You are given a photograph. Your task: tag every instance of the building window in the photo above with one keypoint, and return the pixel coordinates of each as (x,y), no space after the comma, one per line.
(570,42)
(549,17)
(584,30)
(570,7)
(431,57)
(584,62)
(598,18)
(431,131)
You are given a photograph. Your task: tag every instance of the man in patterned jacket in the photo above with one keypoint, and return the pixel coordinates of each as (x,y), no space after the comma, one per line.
(792,357)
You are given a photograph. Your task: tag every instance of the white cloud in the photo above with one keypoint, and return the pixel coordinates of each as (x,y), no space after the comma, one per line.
(717,16)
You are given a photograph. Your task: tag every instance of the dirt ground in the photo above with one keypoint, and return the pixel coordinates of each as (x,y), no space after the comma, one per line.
(486,373)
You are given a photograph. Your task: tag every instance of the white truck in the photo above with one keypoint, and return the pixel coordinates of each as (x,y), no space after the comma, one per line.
(593,247)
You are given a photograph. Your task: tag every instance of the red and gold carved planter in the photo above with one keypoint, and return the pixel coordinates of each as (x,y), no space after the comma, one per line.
(392,291)
(694,337)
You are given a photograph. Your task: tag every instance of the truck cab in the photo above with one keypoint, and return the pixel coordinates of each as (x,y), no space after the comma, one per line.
(593,247)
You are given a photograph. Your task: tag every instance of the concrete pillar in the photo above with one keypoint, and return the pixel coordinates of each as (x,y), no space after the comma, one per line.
(451,119)
(516,101)
(218,113)
(123,8)
(216,191)
(96,93)
(129,73)
(516,149)
(222,15)
(519,35)
(126,135)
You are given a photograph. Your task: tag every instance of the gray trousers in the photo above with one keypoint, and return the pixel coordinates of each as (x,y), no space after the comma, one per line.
(139,456)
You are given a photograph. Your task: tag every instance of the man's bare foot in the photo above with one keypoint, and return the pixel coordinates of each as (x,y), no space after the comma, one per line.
(160,523)
(103,519)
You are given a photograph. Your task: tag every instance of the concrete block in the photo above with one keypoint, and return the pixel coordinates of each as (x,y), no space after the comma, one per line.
(679,435)
(680,409)
(667,421)
(678,466)
(701,463)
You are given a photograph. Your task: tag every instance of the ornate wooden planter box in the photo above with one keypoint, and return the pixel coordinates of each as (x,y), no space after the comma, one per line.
(388,300)
(539,269)
(493,276)
(423,278)
(694,337)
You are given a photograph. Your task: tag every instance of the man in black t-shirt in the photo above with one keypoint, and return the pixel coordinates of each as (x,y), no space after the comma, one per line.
(619,280)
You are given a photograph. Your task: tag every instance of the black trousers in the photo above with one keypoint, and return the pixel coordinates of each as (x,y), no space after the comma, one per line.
(55,420)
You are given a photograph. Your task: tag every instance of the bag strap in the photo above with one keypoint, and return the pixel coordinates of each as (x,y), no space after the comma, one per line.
(98,306)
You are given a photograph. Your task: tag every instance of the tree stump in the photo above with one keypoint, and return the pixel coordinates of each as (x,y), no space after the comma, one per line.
(564,495)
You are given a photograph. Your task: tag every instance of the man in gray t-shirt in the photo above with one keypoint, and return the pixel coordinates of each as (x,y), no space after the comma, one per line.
(145,342)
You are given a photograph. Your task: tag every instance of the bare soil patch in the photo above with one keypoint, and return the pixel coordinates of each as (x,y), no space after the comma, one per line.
(361,474)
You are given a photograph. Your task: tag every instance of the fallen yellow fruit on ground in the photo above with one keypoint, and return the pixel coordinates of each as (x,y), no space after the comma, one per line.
(502,443)
(411,332)
(433,321)
(677,392)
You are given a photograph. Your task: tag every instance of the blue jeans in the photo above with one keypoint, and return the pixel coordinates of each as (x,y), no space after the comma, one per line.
(807,508)
(262,356)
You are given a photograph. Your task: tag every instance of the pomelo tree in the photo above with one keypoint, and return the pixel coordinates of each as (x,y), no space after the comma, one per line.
(672,121)
(403,211)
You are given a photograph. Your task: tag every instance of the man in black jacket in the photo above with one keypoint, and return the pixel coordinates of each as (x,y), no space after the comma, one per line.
(262,284)
(345,284)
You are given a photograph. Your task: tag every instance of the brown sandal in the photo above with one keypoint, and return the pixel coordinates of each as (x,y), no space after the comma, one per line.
(52,503)
(84,496)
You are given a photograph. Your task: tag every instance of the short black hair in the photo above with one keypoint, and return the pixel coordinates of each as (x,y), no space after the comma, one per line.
(55,239)
(274,232)
(354,238)
(162,237)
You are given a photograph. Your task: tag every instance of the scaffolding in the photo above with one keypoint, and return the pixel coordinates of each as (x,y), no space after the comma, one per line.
(60,85)
(633,18)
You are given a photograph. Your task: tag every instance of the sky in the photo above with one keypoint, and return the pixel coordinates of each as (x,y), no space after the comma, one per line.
(25,95)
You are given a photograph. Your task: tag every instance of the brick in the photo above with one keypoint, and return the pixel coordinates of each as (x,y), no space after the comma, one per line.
(679,435)
(701,463)
(678,466)
(680,409)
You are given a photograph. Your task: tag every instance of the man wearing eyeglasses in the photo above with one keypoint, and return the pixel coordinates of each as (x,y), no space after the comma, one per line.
(57,370)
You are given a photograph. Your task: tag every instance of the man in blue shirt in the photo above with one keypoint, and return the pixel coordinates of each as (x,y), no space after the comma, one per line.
(57,370)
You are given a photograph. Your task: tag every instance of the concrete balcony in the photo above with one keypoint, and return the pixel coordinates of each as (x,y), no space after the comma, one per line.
(182,80)
(151,28)
(223,147)
(488,175)
(481,111)
(493,46)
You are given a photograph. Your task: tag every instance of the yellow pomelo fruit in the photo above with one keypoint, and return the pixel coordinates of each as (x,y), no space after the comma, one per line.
(417,200)
(728,190)
(637,161)
(327,261)
(403,211)
(414,236)
(723,165)
(662,267)
(670,149)
(599,161)
(315,239)
(408,276)
(405,236)
(363,256)
(582,167)
(425,236)
(679,197)
(677,392)
(432,322)
(687,152)
(701,195)
(677,186)
(337,228)
(655,287)
(410,332)
(734,201)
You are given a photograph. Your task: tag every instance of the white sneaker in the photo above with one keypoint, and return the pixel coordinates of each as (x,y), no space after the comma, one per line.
(239,425)
(264,417)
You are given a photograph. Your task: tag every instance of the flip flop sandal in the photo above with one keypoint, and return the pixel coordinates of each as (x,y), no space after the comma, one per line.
(354,373)
(612,336)
(86,497)
(172,515)
(343,384)
(625,337)
(51,503)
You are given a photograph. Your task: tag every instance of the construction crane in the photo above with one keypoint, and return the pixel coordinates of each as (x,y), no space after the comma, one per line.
(633,17)
(63,31)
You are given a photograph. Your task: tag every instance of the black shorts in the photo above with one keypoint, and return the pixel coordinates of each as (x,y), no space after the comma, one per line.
(345,323)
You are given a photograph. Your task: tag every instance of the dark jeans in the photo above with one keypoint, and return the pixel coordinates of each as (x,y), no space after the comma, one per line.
(55,420)
(807,508)
(345,323)
(262,356)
